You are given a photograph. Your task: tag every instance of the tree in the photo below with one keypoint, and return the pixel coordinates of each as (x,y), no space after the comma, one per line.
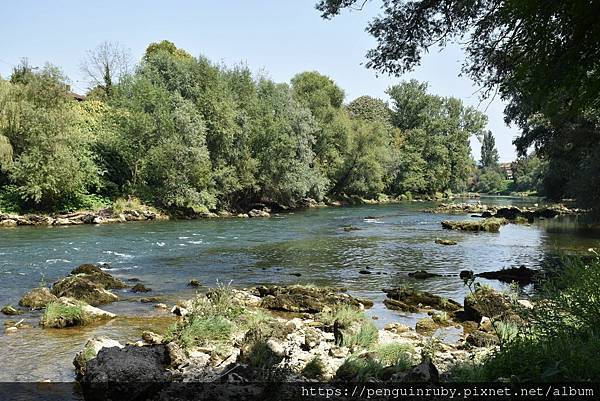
(435,137)
(489,153)
(161,137)
(542,57)
(105,66)
(371,109)
(52,166)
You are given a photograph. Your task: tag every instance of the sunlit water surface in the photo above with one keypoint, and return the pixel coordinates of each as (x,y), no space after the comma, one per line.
(392,241)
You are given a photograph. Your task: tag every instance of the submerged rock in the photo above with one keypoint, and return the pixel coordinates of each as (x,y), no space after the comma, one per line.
(423,274)
(521,275)
(194,283)
(140,288)
(489,225)
(9,310)
(411,300)
(37,298)
(442,241)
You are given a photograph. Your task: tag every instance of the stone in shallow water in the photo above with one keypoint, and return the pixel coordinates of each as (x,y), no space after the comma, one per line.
(83,289)
(9,310)
(140,288)
(411,300)
(489,225)
(37,298)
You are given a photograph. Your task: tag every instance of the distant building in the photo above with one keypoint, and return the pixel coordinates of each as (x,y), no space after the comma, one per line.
(507,168)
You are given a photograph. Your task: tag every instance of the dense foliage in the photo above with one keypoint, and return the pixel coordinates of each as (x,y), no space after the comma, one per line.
(542,57)
(187,135)
(561,337)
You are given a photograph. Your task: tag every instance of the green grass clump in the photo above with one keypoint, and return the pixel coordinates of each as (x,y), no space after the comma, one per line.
(359,369)
(367,336)
(399,355)
(59,315)
(203,330)
(121,205)
(213,319)
(314,369)
(380,364)
(345,315)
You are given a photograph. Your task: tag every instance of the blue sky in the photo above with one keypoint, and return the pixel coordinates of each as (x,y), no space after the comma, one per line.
(279,37)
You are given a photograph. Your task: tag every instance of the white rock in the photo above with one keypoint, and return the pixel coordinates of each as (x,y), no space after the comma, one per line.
(525,303)
(276,347)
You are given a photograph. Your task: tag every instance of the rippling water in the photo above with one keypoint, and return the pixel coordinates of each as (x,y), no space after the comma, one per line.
(393,241)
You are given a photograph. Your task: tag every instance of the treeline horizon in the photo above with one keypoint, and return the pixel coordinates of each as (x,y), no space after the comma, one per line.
(183,133)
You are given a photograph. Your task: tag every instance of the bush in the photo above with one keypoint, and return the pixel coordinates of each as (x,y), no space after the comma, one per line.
(314,369)
(561,337)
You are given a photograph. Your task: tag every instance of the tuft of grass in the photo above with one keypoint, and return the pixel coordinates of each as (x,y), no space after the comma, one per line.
(314,369)
(203,330)
(366,337)
(213,319)
(399,355)
(262,357)
(467,372)
(345,315)
(359,369)
(59,315)
(121,205)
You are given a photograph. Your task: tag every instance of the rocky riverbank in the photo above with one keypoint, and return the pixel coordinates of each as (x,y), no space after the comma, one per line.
(511,213)
(295,334)
(272,333)
(142,212)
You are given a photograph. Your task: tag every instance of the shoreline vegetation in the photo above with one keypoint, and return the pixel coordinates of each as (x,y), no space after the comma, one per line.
(307,333)
(192,138)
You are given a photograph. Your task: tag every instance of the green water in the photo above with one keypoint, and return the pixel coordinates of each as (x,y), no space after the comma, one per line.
(393,241)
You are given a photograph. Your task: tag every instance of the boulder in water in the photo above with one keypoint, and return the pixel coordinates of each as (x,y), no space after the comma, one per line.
(258,213)
(304,299)
(83,289)
(521,275)
(96,275)
(418,300)
(37,298)
(140,288)
(69,312)
(489,225)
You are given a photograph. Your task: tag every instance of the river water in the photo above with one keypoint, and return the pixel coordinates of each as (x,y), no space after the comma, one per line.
(391,241)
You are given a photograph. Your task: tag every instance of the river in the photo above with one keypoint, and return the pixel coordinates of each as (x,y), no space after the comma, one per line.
(302,247)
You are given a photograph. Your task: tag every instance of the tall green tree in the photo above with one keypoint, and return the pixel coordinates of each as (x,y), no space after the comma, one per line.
(489,153)
(51,165)
(542,57)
